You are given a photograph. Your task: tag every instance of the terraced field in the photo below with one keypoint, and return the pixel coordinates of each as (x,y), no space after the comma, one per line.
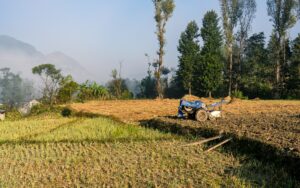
(100,152)
(263,130)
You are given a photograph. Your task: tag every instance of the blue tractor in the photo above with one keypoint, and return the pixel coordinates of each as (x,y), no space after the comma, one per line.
(199,110)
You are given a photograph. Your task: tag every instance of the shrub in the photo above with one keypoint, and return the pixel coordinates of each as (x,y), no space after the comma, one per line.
(127,95)
(66,112)
(68,90)
(92,91)
(239,94)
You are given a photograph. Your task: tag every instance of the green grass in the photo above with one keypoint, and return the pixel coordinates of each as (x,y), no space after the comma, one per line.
(75,130)
(79,152)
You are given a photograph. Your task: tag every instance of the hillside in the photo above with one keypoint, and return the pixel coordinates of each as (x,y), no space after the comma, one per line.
(21,57)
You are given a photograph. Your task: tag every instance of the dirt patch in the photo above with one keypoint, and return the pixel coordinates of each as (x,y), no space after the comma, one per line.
(273,122)
(281,131)
(137,110)
(273,126)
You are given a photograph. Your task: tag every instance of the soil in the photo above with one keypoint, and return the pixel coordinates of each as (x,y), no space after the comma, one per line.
(276,122)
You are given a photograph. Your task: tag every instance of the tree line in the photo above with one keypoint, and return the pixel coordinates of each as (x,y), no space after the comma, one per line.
(230,62)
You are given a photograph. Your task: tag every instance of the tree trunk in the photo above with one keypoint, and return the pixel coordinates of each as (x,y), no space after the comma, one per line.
(230,71)
(277,74)
(160,60)
(209,94)
(190,89)
(239,61)
(158,83)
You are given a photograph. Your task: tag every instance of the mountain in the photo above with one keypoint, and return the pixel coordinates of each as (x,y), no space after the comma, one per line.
(20,57)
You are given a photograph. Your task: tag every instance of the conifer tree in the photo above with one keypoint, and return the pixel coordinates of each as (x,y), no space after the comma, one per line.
(189,50)
(209,69)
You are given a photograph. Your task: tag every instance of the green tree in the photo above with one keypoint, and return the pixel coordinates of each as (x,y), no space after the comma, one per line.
(67,90)
(147,87)
(163,11)
(209,69)
(51,78)
(230,13)
(257,71)
(283,16)
(116,84)
(92,91)
(189,50)
(245,17)
(293,83)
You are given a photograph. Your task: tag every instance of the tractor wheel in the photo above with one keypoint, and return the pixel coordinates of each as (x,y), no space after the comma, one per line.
(201,115)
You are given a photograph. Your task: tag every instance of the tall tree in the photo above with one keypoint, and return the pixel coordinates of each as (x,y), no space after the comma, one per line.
(230,13)
(163,11)
(257,71)
(51,78)
(283,16)
(245,17)
(209,69)
(293,83)
(189,50)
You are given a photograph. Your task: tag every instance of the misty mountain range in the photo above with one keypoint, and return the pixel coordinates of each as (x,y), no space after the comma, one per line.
(21,57)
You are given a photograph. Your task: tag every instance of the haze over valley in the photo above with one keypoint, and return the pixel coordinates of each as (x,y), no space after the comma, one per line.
(21,57)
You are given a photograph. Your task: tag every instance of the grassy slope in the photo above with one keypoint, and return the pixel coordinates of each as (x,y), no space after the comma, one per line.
(56,152)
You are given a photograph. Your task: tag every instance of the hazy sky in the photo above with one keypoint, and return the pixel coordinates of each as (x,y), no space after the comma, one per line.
(101,33)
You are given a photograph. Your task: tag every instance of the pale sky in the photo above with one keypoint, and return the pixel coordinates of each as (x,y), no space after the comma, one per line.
(101,33)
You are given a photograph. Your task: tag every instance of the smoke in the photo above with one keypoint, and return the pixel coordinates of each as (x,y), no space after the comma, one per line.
(14,90)
(133,86)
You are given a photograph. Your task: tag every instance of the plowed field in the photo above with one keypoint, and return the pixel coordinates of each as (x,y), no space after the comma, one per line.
(274,124)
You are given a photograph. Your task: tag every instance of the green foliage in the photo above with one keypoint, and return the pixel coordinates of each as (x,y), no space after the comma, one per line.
(44,110)
(13,89)
(147,86)
(67,90)
(92,91)
(283,16)
(231,10)
(127,95)
(246,16)
(238,94)
(257,71)
(189,50)
(117,86)
(12,114)
(51,78)
(66,112)
(293,81)
(208,74)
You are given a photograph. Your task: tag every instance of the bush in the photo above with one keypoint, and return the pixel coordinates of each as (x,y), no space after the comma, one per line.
(43,110)
(92,91)
(66,112)
(239,94)
(127,95)
(68,90)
